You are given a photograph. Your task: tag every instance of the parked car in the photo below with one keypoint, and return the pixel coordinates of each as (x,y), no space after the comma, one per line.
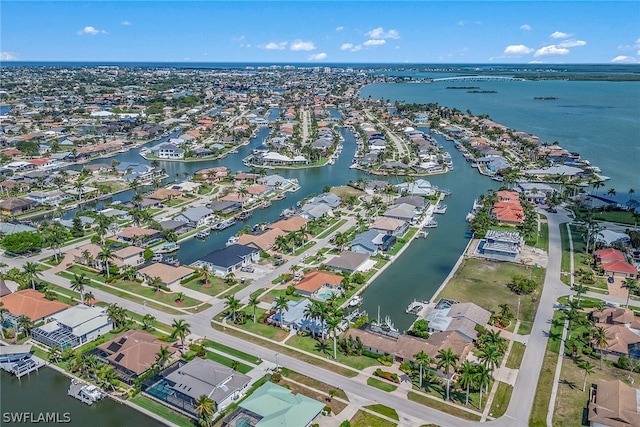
(247,269)
(278,262)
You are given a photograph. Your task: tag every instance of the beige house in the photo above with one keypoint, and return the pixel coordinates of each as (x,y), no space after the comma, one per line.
(168,274)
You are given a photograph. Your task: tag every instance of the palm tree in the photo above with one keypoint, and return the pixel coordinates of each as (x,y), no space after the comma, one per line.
(611,192)
(2,313)
(31,273)
(116,314)
(505,314)
(447,360)
(253,302)
(466,378)
(281,303)
(180,330)
(588,368)
(599,341)
(233,305)
(105,255)
(148,321)
(205,407)
(596,185)
(88,297)
(333,326)
(25,323)
(490,356)
(163,356)
(179,297)
(155,283)
(580,290)
(107,376)
(422,359)
(78,283)
(482,379)
(54,354)
(631,285)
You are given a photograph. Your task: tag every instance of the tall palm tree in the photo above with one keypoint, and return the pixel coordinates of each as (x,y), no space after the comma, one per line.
(447,359)
(117,315)
(467,378)
(631,285)
(54,354)
(422,359)
(25,323)
(148,321)
(88,297)
(580,289)
(588,369)
(482,379)
(253,302)
(105,255)
(490,356)
(31,273)
(205,407)
(280,304)
(599,341)
(233,305)
(180,330)
(163,356)
(333,326)
(78,284)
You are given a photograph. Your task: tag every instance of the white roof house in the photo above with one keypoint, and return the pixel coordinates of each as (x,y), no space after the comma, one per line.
(74,326)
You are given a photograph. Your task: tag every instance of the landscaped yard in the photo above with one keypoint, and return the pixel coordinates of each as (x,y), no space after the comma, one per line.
(384,410)
(168,298)
(216,287)
(335,405)
(162,411)
(382,385)
(485,283)
(223,360)
(501,400)
(441,406)
(516,354)
(314,346)
(232,351)
(365,419)
(262,329)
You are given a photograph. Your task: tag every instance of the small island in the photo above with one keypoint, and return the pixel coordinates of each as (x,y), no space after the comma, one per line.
(544,98)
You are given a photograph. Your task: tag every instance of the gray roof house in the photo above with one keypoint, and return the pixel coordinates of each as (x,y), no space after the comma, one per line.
(73,327)
(329,199)
(370,242)
(231,258)
(315,210)
(183,384)
(459,317)
(347,261)
(196,216)
(167,151)
(403,211)
(420,187)
(419,202)
(294,318)
(273,181)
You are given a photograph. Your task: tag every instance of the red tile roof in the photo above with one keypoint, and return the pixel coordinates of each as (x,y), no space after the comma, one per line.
(314,280)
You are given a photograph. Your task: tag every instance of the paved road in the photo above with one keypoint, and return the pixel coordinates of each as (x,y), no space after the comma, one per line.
(524,390)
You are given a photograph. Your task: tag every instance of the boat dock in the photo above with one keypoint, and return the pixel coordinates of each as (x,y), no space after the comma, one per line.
(86,393)
(18,360)
(418,308)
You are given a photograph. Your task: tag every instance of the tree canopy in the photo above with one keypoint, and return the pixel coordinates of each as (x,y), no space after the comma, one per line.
(22,242)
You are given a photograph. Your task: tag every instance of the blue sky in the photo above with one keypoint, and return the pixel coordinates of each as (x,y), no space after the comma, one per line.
(322,31)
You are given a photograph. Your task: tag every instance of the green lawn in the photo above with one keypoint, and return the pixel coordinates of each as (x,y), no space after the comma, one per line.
(384,410)
(365,419)
(162,411)
(232,351)
(516,354)
(382,385)
(313,346)
(217,285)
(168,298)
(543,391)
(485,283)
(331,229)
(91,274)
(273,294)
(403,241)
(441,406)
(501,400)
(621,217)
(223,360)
(262,329)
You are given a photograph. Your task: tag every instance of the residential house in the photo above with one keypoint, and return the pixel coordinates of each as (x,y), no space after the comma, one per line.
(167,150)
(419,187)
(463,318)
(508,209)
(610,238)
(225,207)
(535,192)
(53,197)
(132,353)
(390,226)
(273,405)
(622,332)
(402,211)
(501,245)
(295,318)
(30,303)
(320,285)
(73,327)
(614,263)
(230,259)
(195,216)
(613,403)
(263,241)
(182,384)
(137,236)
(294,223)
(178,227)
(371,242)
(169,275)
(163,194)
(15,206)
(418,202)
(348,261)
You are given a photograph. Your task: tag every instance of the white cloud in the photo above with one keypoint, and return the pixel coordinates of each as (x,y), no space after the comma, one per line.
(8,56)
(559,35)
(318,56)
(302,45)
(551,50)
(92,31)
(126,23)
(525,27)
(623,59)
(517,50)
(374,42)
(338,29)
(276,45)
(572,43)
(379,33)
(350,46)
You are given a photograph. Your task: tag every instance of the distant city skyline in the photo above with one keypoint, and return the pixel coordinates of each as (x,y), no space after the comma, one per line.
(317,32)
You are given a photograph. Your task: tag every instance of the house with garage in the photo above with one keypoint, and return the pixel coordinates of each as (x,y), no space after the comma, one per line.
(73,327)
(348,261)
(390,226)
(320,285)
(230,259)
(371,242)
(169,275)
(402,211)
(195,216)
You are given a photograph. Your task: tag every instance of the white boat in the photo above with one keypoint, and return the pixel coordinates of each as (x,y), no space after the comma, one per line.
(168,248)
(202,234)
(232,240)
(86,393)
(431,224)
(440,208)
(355,301)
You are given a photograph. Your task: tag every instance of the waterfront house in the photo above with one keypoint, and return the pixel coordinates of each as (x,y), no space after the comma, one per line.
(501,245)
(419,202)
(534,192)
(315,211)
(275,182)
(348,261)
(294,223)
(230,259)
(131,353)
(419,187)
(508,209)
(320,285)
(180,385)
(613,403)
(390,226)
(73,327)
(167,150)
(610,238)
(178,227)
(295,318)
(263,241)
(195,216)
(371,242)
(137,236)
(225,207)
(571,172)
(7,228)
(402,211)
(15,206)
(53,197)
(30,303)
(463,318)
(169,275)
(163,194)
(273,405)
